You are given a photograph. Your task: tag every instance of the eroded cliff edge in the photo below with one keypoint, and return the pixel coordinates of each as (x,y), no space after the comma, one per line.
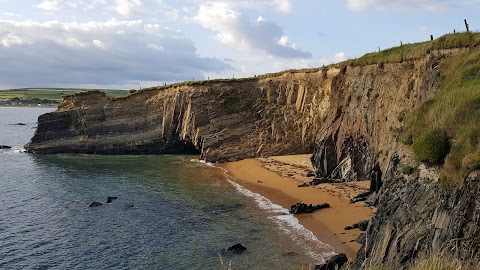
(349,117)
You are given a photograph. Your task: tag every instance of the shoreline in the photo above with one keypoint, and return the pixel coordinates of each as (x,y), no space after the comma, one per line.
(277,179)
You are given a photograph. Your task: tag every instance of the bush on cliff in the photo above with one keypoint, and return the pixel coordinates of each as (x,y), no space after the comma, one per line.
(455,110)
(431,146)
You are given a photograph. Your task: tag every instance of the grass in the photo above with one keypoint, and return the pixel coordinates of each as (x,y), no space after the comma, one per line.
(431,146)
(417,50)
(50,94)
(455,110)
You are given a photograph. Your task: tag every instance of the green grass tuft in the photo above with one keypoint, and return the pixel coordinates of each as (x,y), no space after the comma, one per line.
(431,146)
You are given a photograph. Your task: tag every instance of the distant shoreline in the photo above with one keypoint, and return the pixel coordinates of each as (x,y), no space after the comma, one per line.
(29,106)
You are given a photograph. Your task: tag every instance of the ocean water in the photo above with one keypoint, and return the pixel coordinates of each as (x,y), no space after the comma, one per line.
(172,212)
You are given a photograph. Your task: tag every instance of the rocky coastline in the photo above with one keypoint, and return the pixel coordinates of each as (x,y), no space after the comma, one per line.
(347,116)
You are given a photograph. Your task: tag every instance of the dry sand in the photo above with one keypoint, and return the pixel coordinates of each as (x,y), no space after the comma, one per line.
(277,178)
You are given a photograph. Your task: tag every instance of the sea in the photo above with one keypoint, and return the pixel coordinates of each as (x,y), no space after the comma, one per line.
(171,212)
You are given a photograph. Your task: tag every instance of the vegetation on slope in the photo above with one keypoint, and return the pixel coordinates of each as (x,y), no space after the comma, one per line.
(417,50)
(454,112)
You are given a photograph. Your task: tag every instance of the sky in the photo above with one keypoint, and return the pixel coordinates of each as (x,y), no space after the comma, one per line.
(132,44)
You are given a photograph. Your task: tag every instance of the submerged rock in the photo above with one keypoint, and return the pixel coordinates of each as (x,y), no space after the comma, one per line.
(301,208)
(95,204)
(129,206)
(336,262)
(110,199)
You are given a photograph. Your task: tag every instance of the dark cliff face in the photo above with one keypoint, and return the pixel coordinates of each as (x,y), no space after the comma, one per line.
(350,118)
(417,217)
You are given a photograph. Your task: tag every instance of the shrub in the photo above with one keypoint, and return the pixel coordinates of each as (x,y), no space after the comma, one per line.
(406,170)
(431,146)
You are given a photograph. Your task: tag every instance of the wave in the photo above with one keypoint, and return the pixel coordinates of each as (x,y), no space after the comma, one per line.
(13,150)
(289,224)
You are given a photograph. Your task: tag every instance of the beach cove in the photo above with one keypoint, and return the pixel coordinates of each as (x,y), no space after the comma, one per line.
(277,179)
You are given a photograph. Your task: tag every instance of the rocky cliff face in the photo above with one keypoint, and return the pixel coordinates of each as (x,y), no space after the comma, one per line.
(220,120)
(349,117)
(417,217)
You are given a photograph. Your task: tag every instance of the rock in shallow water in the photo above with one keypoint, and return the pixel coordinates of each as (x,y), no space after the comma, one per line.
(110,199)
(5,147)
(95,204)
(237,249)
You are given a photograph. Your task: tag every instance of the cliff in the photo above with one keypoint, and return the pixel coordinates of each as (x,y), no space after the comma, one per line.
(349,116)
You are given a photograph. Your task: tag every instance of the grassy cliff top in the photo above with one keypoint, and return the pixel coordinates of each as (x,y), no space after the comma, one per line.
(417,50)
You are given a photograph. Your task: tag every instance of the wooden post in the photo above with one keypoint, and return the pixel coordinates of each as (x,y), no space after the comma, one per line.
(378,49)
(431,37)
(466,25)
(454,31)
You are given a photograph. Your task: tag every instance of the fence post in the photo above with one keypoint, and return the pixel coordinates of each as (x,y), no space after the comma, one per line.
(466,25)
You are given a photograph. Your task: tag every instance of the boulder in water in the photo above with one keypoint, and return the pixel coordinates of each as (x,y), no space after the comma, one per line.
(110,199)
(5,146)
(95,204)
(237,248)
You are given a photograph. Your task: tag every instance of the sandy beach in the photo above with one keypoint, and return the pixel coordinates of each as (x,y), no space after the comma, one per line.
(277,178)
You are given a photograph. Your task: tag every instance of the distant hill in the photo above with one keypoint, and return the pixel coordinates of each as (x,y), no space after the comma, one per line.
(45,96)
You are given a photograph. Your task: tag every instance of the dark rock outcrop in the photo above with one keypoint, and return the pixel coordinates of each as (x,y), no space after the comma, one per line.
(334,263)
(237,249)
(418,218)
(361,197)
(301,208)
(362,225)
(6,147)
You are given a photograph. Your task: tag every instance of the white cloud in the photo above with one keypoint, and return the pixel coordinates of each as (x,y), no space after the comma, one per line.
(99,44)
(427,5)
(339,57)
(283,41)
(125,7)
(49,5)
(12,39)
(70,54)
(235,29)
(283,5)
